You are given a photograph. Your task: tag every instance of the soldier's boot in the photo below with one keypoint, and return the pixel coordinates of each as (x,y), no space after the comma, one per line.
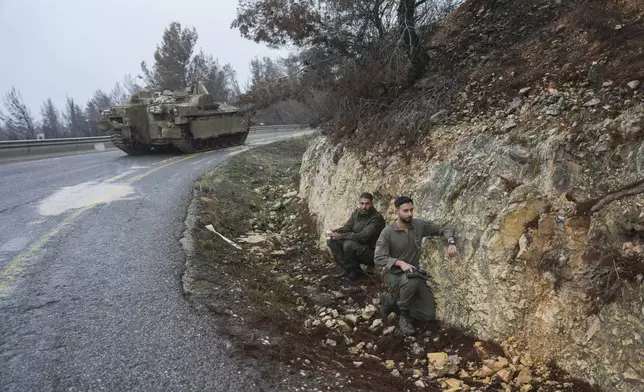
(353,274)
(344,273)
(387,305)
(406,325)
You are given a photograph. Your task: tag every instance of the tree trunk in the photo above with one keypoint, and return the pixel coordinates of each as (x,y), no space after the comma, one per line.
(411,41)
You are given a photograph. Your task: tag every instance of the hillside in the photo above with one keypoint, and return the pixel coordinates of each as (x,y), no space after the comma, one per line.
(489,54)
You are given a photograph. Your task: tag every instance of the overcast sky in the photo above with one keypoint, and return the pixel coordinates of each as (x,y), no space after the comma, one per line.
(54,48)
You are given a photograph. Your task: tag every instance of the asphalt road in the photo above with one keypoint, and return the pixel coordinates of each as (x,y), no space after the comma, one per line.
(90,278)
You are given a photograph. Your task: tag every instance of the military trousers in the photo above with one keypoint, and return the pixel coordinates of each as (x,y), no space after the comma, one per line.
(413,295)
(350,254)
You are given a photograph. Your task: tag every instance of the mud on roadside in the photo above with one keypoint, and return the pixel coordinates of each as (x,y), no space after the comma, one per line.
(279,303)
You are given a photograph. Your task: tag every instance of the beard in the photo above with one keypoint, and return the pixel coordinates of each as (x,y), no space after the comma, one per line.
(407,219)
(363,212)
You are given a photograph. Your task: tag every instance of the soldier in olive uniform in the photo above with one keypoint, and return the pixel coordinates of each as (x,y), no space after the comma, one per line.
(354,243)
(398,249)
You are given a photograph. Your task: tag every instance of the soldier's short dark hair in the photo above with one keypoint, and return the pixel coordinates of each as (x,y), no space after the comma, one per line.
(400,200)
(366,195)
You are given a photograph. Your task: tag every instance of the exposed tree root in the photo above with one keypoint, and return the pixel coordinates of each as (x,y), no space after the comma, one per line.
(593,205)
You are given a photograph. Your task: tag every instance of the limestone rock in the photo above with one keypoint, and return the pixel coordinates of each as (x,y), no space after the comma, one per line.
(508,125)
(389,330)
(593,102)
(417,350)
(524,377)
(452,383)
(500,363)
(352,318)
(368,312)
(438,358)
(484,371)
(355,350)
(526,360)
(344,327)
(505,375)
(440,364)
(376,325)
(632,375)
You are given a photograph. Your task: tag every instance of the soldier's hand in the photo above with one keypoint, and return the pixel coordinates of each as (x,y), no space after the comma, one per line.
(452,250)
(403,265)
(334,235)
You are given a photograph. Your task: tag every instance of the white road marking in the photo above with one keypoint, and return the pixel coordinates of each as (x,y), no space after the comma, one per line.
(35,222)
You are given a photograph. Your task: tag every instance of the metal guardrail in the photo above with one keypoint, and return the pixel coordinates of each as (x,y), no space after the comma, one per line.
(106,139)
(14,150)
(277,128)
(53,142)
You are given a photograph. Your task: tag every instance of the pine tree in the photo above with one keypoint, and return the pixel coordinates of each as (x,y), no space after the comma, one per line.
(51,122)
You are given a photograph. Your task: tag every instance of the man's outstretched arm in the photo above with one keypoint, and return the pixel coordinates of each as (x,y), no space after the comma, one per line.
(433,229)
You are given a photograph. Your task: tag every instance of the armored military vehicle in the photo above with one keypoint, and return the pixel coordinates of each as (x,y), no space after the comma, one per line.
(188,120)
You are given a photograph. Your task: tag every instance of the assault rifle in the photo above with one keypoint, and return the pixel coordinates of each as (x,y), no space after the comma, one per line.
(419,273)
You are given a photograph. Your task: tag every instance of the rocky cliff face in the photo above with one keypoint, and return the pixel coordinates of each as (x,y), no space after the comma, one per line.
(546,198)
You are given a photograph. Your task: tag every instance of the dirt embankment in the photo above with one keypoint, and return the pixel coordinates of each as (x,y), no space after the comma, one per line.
(278,301)
(489,52)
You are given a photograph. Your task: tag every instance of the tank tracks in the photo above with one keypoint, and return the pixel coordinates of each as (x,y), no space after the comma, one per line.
(189,146)
(119,143)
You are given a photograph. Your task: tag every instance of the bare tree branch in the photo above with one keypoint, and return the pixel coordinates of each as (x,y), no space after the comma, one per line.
(18,121)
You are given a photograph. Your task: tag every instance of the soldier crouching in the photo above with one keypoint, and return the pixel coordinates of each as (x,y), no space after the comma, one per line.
(398,249)
(354,243)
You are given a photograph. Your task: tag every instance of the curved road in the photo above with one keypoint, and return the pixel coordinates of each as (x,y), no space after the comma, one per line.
(90,277)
